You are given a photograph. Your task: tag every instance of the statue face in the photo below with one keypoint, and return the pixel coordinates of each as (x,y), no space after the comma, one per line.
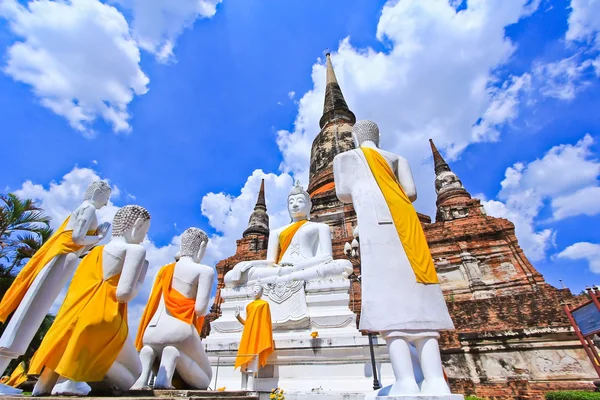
(298,206)
(257,291)
(100,198)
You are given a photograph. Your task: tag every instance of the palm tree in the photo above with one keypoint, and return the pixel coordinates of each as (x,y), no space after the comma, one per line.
(23,229)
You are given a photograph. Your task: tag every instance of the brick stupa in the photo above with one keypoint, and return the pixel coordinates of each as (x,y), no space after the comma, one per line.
(512,338)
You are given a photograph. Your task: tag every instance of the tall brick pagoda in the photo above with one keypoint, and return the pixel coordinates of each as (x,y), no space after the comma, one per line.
(512,337)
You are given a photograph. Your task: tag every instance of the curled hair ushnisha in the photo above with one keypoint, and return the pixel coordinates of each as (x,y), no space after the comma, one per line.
(191,240)
(101,186)
(366,130)
(126,217)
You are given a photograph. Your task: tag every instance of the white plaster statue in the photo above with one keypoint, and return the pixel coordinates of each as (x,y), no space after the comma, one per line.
(123,257)
(257,339)
(84,231)
(394,302)
(175,338)
(307,256)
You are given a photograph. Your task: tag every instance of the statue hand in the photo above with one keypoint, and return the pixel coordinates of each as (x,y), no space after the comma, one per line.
(102,230)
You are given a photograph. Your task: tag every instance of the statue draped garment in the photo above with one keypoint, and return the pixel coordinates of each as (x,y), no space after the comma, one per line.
(257,338)
(90,328)
(177,305)
(406,221)
(400,289)
(286,236)
(61,242)
(18,376)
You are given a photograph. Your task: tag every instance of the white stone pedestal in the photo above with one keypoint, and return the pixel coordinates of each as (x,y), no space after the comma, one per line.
(337,361)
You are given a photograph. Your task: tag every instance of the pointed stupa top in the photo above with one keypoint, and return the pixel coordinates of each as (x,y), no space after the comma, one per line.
(258,224)
(447,184)
(438,161)
(334,105)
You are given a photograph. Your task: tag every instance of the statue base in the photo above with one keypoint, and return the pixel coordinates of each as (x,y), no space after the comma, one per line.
(6,390)
(336,361)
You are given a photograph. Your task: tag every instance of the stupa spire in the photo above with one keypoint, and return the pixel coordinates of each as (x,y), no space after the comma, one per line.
(335,105)
(258,224)
(438,161)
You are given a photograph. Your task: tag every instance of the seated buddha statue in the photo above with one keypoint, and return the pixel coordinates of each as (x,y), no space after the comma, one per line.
(88,341)
(300,250)
(172,320)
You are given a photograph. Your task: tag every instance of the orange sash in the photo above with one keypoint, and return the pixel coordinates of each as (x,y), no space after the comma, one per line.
(286,236)
(178,305)
(18,377)
(257,337)
(61,242)
(90,328)
(405,218)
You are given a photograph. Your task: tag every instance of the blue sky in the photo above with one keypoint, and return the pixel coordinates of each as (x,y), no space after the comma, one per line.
(185,105)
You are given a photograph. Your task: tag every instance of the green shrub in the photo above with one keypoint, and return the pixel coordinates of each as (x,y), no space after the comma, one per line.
(572,395)
(473,398)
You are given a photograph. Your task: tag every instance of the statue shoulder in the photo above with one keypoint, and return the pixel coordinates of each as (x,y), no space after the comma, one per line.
(135,249)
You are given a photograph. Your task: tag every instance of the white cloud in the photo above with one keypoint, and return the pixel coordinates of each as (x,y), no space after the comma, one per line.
(59,199)
(566,176)
(583,251)
(291,95)
(158,23)
(436,79)
(78,57)
(229,215)
(584,22)
(563,79)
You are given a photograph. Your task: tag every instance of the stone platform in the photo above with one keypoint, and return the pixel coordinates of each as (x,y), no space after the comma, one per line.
(159,394)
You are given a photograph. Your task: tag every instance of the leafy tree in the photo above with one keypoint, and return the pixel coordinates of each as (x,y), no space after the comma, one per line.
(23,230)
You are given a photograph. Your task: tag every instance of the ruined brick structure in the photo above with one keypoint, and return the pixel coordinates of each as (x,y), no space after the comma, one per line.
(512,337)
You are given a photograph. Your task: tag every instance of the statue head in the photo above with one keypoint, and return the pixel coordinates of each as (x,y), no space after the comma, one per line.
(257,291)
(365,131)
(299,203)
(97,193)
(131,222)
(193,244)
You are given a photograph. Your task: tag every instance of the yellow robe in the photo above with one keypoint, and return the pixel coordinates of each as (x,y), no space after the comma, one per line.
(18,377)
(178,305)
(61,242)
(90,328)
(257,337)
(286,236)
(405,218)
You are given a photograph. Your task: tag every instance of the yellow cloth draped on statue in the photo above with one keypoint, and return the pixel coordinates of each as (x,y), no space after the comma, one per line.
(257,337)
(286,236)
(405,218)
(18,377)
(90,328)
(60,242)
(178,305)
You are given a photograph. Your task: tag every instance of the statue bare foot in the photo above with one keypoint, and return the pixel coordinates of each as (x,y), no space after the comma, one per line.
(67,387)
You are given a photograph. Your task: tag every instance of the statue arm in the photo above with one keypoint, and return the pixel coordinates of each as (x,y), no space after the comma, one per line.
(135,258)
(82,225)
(341,190)
(141,279)
(405,177)
(273,247)
(205,282)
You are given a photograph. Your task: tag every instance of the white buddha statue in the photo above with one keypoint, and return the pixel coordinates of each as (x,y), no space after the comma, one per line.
(172,321)
(401,296)
(41,280)
(88,341)
(298,251)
